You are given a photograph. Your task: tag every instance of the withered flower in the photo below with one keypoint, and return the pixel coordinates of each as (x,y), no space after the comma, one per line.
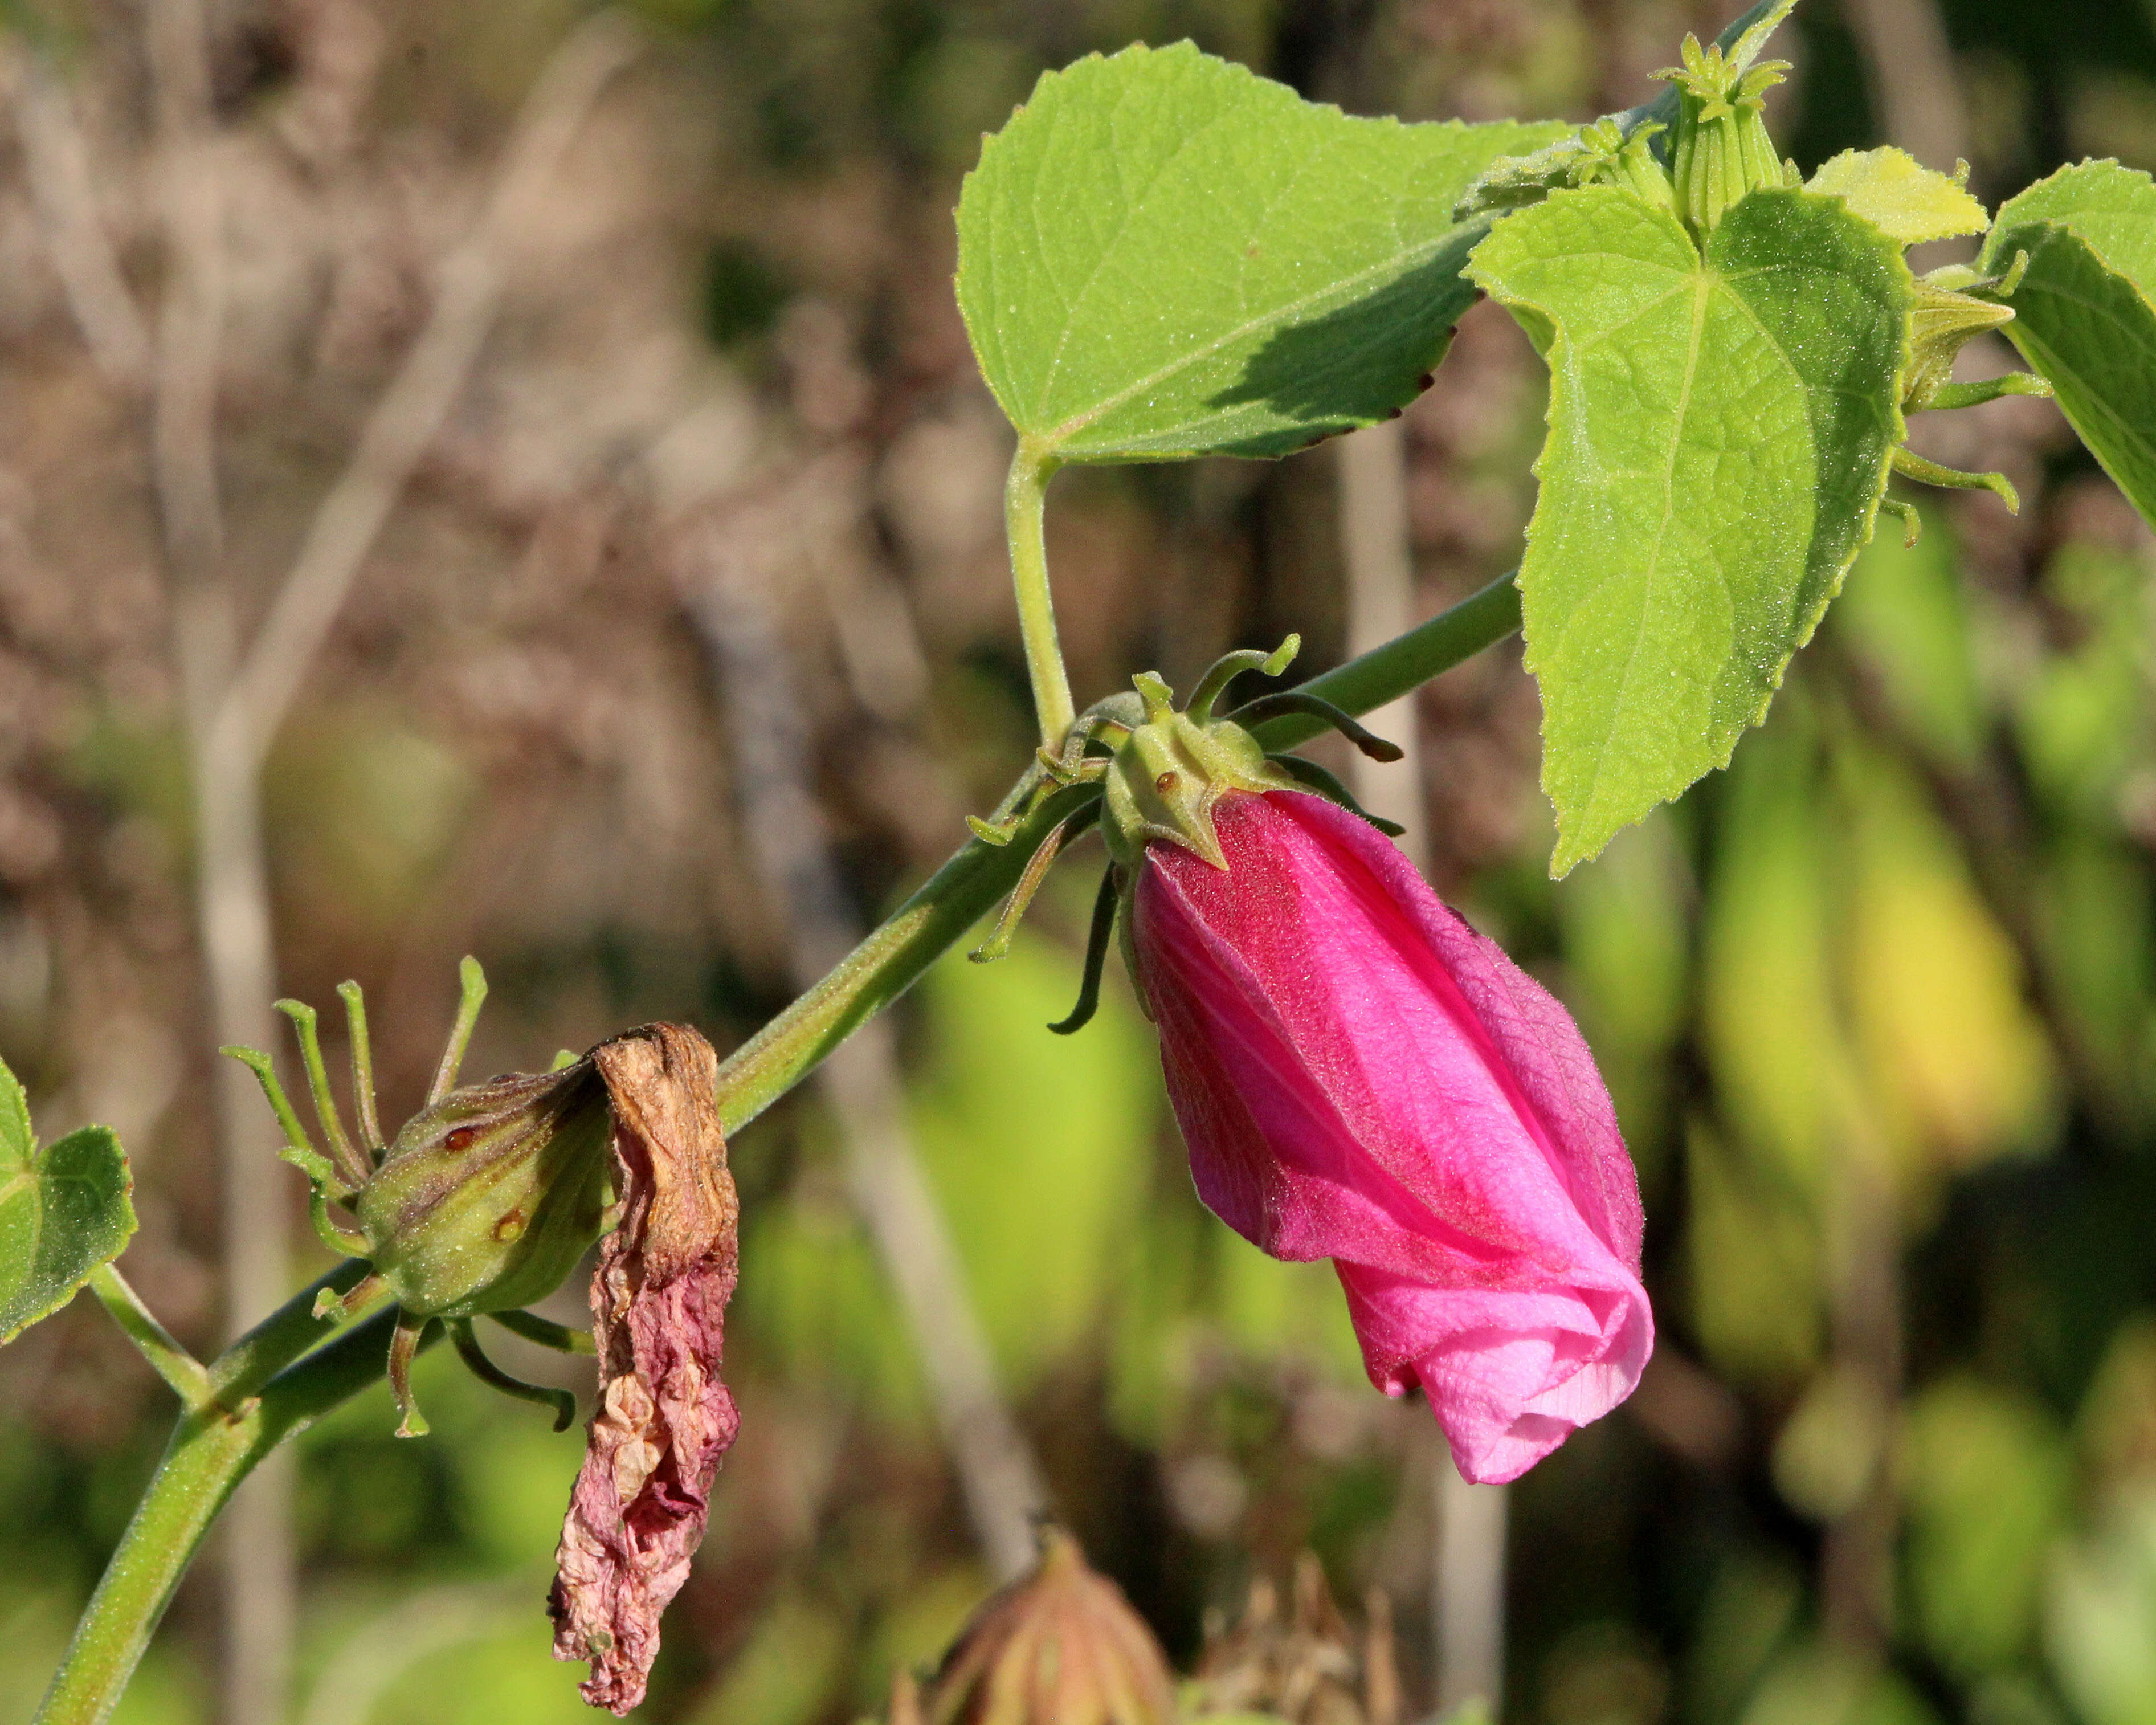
(1059,1647)
(659,1297)
(486,1199)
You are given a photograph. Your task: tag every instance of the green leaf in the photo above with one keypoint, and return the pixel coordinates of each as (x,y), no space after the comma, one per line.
(1720,428)
(64,1212)
(1905,200)
(1164,255)
(2083,315)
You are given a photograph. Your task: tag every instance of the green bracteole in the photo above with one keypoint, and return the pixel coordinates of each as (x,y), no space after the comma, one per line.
(268,1385)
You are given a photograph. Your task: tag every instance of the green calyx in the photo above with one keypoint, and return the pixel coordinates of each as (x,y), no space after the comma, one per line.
(1161,771)
(1613,157)
(1719,149)
(1600,153)
(1716,151)
(1953,306)
(489,1196)
(1171,770)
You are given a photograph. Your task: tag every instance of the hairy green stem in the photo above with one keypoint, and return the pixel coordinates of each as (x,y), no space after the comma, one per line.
(1024,500)
(1405,663)
(188,1376)
(212,1448)
(268,1385)
(285,1334)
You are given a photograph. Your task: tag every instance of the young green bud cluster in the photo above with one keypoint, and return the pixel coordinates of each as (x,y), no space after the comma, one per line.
(1719,149)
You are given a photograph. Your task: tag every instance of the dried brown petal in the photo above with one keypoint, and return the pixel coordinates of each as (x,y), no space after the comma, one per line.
(659,1299)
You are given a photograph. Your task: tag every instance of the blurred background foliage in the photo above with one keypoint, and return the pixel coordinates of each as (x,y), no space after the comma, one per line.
(1878,1004)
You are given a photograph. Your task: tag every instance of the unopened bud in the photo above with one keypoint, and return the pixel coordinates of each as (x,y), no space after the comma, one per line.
(1719,149)
(1060,1647)
(1941,320)
(489,1197)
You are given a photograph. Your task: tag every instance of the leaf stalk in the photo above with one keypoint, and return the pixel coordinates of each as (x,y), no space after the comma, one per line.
(189,1376)
(1025,519)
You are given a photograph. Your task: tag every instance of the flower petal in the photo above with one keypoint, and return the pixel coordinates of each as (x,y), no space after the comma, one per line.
(658,1299)
(1361,1076)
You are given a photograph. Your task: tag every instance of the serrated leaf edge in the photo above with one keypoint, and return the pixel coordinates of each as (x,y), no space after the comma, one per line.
(2001,235)
(38,1158)
(1982,225)
(2004,238)
(1564,858)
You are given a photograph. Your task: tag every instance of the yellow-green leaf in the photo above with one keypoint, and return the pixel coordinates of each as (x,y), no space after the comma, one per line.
(1899,196)
(1720,426)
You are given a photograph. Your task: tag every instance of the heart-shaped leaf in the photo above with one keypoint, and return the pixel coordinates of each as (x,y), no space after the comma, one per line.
(1163,255)
(2083,315)
(1720,429)
(64,1211)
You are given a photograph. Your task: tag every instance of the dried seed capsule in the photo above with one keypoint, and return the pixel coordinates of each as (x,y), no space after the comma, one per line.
(1060,1647)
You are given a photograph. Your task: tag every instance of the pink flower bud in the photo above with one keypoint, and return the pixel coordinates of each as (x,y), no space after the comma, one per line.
(658,1298)
(1360,1075)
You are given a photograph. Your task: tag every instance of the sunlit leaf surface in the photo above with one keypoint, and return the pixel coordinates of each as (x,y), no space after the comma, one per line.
(1163,254)
(2083,315)
(64,1211)
(1719,431)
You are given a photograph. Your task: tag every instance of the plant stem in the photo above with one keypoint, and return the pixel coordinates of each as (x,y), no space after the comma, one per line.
(189,1376)
(212,1448)
(1024,499)
(258,1396)
(1403,664)
(966,888)
(283,1337)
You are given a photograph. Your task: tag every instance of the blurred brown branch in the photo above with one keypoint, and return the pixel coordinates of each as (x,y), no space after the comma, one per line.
(411,410)
(1910,75)
(233,704)
(56,162)
(725,579)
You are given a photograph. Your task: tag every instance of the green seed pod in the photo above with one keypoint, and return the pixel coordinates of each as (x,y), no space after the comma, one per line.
(489,1197)
(1060,1647)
